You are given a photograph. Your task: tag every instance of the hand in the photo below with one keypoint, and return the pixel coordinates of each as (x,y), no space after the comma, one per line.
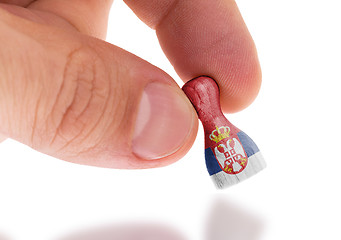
(66,93)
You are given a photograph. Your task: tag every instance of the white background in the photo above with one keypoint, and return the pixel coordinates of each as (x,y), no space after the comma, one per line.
(295,121)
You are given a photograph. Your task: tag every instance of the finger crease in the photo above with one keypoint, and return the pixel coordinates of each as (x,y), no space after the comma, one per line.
(168,12)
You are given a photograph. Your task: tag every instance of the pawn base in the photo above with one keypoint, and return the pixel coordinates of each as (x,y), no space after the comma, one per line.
(223,180)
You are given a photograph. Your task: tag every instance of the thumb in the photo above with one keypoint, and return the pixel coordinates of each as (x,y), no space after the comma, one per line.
(2,138)
(80,99)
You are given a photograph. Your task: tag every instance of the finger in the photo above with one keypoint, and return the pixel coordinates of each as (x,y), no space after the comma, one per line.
(2,138)
(87,16)
(22,3)
(206,38)
(80,99)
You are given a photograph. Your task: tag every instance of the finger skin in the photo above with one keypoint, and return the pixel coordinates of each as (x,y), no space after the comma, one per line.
(206,38)
(72,96)
(87,16)
(21,3)
(2,138)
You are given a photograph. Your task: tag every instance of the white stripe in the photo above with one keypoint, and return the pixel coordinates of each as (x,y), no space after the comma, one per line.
(255,164)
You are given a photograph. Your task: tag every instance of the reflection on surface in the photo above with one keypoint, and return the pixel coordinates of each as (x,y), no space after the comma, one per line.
(128,232)
(228,221)
(2,237)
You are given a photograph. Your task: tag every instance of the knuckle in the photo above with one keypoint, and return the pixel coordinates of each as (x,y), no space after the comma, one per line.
(81,100)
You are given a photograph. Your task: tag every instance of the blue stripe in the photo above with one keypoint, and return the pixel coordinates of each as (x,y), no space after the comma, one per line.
(249,146)
(212,164)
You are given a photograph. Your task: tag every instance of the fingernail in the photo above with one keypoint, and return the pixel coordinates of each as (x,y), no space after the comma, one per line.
(165,120)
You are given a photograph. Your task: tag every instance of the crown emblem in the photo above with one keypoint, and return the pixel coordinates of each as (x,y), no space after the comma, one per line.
(220,133)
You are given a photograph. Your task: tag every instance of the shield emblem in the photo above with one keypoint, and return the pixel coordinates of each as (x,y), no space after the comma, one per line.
(231,156)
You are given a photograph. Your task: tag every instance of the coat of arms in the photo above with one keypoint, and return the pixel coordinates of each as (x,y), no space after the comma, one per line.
(228,151)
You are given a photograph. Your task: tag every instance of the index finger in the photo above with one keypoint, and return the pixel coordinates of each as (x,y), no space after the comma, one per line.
(206,38)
